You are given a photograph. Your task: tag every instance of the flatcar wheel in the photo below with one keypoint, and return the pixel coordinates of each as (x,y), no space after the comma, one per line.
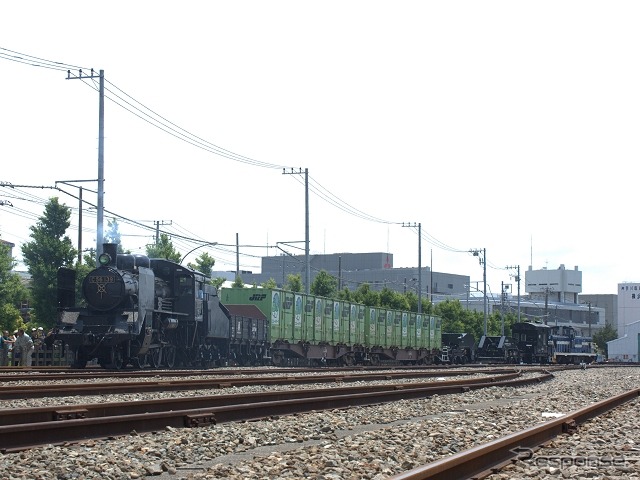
(277,357)
(116,360)
(348,360)
(375,360)
(170,357)
(155,357)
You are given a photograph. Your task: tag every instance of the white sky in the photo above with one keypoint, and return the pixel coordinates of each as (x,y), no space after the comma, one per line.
(505,125)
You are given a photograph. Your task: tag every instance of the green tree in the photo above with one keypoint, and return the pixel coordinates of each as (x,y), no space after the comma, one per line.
(164,249)
(48,250)
(204,263)
(12,292)
(392,299)
(294,283)
(324,285)
(366,296)
(603,336)
(271,283)
(346,295)
(238,283)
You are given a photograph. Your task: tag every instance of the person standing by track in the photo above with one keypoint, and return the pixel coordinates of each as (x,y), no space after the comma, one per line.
(3,351)
(24,345)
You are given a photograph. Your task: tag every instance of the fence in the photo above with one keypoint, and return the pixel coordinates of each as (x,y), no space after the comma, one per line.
(42,356)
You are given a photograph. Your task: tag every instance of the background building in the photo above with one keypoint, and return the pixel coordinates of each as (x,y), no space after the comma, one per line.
(353,269)
(628,306)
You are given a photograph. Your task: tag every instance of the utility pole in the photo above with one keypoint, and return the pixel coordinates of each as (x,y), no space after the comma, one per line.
(237,255)
(482,258)
(158,223)
(80,201)
(307,282)
(517,279)
(100,212)
(546,302)
(419,225)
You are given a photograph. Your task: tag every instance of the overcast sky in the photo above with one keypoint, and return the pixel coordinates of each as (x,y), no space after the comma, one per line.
(500,125)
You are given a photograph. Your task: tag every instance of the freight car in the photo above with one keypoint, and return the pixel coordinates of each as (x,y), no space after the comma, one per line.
(151,313)
(498,349)
(310,329)
(458,348)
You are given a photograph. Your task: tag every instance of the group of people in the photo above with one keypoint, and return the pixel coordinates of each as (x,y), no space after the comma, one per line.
(20,346)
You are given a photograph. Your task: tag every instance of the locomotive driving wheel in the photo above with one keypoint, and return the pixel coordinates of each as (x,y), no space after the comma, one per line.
(155,357)
(169,356)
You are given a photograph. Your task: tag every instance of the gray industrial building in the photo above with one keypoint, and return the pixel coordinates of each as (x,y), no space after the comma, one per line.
(353,269)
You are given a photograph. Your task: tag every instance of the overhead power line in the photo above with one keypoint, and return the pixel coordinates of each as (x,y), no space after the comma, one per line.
(150,116)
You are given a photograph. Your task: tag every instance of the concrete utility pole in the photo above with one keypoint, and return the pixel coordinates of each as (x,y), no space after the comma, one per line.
(546,302)
(80,206)
(517,279)
(419,225)
(158,223)
(100,212)
(482,258)
(307,282)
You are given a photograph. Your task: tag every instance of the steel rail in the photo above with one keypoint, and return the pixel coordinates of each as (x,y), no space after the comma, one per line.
(39,375)
(106,388)
(70,426)
(13,416)
(483,460)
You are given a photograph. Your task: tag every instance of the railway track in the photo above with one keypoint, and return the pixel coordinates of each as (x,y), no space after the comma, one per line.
(489,458)
(109,386)
(25,428)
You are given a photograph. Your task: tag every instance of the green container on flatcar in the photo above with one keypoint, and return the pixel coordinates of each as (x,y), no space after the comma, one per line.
(337,317)
(308,318)
(381,329)
(437,343)
(426,331)
(396,330)
(370,326)
(298,316)
(404,330)
(356,324)
(317,319)
(418,331)
(327,321)
(268,301)
(411,330)
(343,327)
(288,308)
(388,323)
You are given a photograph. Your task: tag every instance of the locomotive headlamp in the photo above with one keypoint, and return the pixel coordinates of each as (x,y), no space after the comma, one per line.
(104,259)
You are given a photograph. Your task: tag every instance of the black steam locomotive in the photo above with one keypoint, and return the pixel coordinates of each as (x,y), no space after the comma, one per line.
(150,313)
